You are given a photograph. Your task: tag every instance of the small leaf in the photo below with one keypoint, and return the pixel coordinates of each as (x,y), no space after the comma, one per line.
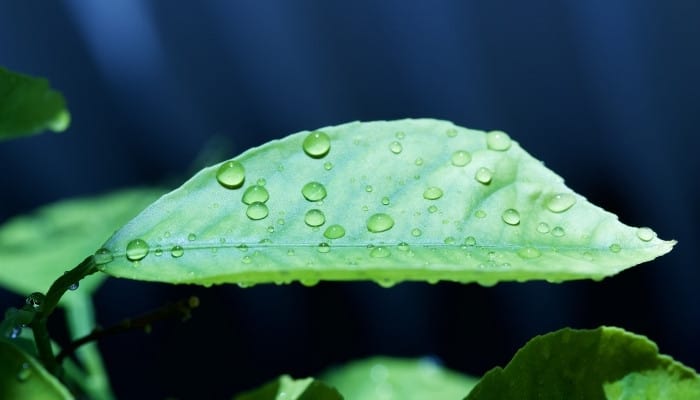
(395,378)
(287,388)
(388,201)
(23,377)
(587,364)
(28,105)
(38,248)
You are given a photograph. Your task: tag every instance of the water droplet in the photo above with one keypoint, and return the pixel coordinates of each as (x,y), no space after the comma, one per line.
(280,221)
(246,260)
(15,332)
(323,247)
(379,252)
(369,188)
(480,214)
(543,227)
(314,191)
(432,209)
(103,256)
(261,182)
(379,223)
(257,211)
(470,241)
(645,234)
(136,250)
(529,252)
(432,193)
(177,251)
(558,231)
(74,286)
(498,140)
(25,372)
(452,132)
(317,144)
(231,174)
(511,216)
(416,232)
(270,229)
(560,202)
(255,193)
(395,147)
(35,300)
(328,165)
(314,217)
(290,252)
(450,240)
(419,161)
(158,252)
(191,237)
(615,248)
(460,158)
(385,201)
(403,246)
(365,208)
(242,247)
(334,231)
(400,135)
(483,175)
(386,282)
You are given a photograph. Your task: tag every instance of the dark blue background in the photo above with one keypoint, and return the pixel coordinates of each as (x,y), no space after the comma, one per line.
(605,92)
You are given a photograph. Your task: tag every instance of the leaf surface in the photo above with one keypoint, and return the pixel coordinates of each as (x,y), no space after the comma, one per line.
(23,377)
(28,105)
(587,365)
(287,388)
(388,201)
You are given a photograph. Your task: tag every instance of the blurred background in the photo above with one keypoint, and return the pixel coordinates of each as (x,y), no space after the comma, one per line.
(607,93)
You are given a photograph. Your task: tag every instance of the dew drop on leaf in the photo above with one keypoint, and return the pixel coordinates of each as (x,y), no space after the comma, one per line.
(529,252)
(323,247)
(191,237)
(369,188)
(317,144)
(246,260)
(35,300)
(395,147)
(498,140)
(480,214)
(136,250)
(379,252)
(328,165)
(403,246)
(74,286)
(158,252)
(400,135)
(558,231)
(416,232)
(385,201)
(255,193)
(231,174)
(450,240)
(543,227)
(451,132)
(432,209)
(419,161)
(432,193)
(615,248)
(511,216)
(483,175)
(314,191)
(334,231)
(103,256)
(257,211)
(460,158)
(379,222)
(24,373)
(15,332)
(470,241)
(645,234)
(314,217)
(177,251)
(560,202)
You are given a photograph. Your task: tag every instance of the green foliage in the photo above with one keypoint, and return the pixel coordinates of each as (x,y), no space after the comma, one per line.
(22,377)
(389,201)
(28,105)
(287,388)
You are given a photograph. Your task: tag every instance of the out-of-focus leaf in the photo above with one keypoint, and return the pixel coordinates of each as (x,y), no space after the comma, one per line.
(28,105)
(587,365)
(394,378)
(387,201)
(23,377)
(37,248)
(286,388)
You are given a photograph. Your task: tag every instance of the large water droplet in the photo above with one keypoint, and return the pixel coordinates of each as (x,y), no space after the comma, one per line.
(379,252)
(257,211)
(317,144)
(615,248)
(511,216)
(498,140)
(432,193)
(560,202)
(255,193)
(334,231)
(379,223)
(35,300)
(314,217)
(177,251)
(529,252)
(323,247)
(483,175)
(24,373)
(645,234)
(136,250)
(231,174)
(460,158)
(314,191)
(102,256)
(543,227)
(395,147)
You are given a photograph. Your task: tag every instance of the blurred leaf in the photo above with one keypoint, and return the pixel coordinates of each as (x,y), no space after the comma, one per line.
(581,364)
(28,105)
(287,388)
(388,201)
(22,377)
(395,378)
(36,249)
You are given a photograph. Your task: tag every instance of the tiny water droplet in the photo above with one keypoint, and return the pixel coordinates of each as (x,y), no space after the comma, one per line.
(317,144)
(543,227)
(191,237)
(314,217)
(334,231)
(328,165)
(385,201)
(255,193)
(74,286)
(395,147)
(314,191)
(432,193)
(460,158)
(24,373)
(35,300)
(400,135)
(379,222)
(323,247)
(615,248)
(498,140)
(379,252)
(419,161)
(480,214)
(403,246)
(290,252)
(560,202)
(432,209)
(483,175)
(386,282)
(369,188)
(529,252)
(230,174)
(102,256)
(158,252)
(470,241)
(558,231)
(242,247)
(177,251)
(246,260)
(452,132)
(136,250)
(416,232)
(257,211)
(645,234)
(511,216)
(15,332)
(280,221)
(270,229)
(450,240)
(261,182)
(365,208)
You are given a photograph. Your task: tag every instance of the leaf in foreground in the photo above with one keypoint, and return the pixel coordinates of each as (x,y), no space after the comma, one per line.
(287,388)
(588,364)
(389,201)
(28,105)
(23,377)
(395,378)
(36,249)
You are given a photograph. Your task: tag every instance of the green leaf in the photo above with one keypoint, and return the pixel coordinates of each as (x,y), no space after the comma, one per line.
(389,201)
(23,377)
(587,364)
(28,105)
(287,388)
(36,249)
(395,378)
